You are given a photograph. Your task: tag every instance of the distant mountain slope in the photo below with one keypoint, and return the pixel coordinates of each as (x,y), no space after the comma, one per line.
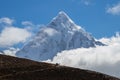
(60,34)
(12,68)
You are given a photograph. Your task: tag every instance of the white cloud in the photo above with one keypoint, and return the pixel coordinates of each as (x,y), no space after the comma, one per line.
(115,10)
(13,35)
(11,51)
(105,59)
(86,2)
(6,20)
(27,23)
(31,27)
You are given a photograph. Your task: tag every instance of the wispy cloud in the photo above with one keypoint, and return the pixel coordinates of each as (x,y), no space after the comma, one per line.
(27,23)
(115,9)
(6,20)
(31,27)
(86,2)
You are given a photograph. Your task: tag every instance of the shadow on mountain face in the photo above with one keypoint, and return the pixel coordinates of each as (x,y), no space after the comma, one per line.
(12,68)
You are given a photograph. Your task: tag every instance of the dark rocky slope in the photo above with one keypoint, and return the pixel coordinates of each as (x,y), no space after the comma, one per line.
(12,68)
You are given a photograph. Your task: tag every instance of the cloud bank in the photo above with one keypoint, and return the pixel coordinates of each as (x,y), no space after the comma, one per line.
(105,59)
(115,10)
(11,35)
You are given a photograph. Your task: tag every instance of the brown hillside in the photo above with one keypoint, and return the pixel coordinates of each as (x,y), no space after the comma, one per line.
(12,68)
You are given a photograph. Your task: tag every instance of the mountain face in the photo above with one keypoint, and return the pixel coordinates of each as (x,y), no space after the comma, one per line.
(13,68)
(60,34)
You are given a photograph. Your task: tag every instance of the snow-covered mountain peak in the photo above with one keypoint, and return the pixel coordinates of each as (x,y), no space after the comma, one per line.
(63,21)
(62,13)
(60,34)
(62,16)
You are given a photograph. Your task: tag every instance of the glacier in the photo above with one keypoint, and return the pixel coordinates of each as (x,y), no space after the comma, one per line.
(58,35)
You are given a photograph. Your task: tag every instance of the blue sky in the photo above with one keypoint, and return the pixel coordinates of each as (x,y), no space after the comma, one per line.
(99,17)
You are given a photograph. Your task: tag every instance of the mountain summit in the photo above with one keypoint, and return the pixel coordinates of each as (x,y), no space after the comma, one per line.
(60,34)
(62,21)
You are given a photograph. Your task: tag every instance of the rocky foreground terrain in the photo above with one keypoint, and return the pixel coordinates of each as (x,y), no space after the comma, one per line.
(12,68)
